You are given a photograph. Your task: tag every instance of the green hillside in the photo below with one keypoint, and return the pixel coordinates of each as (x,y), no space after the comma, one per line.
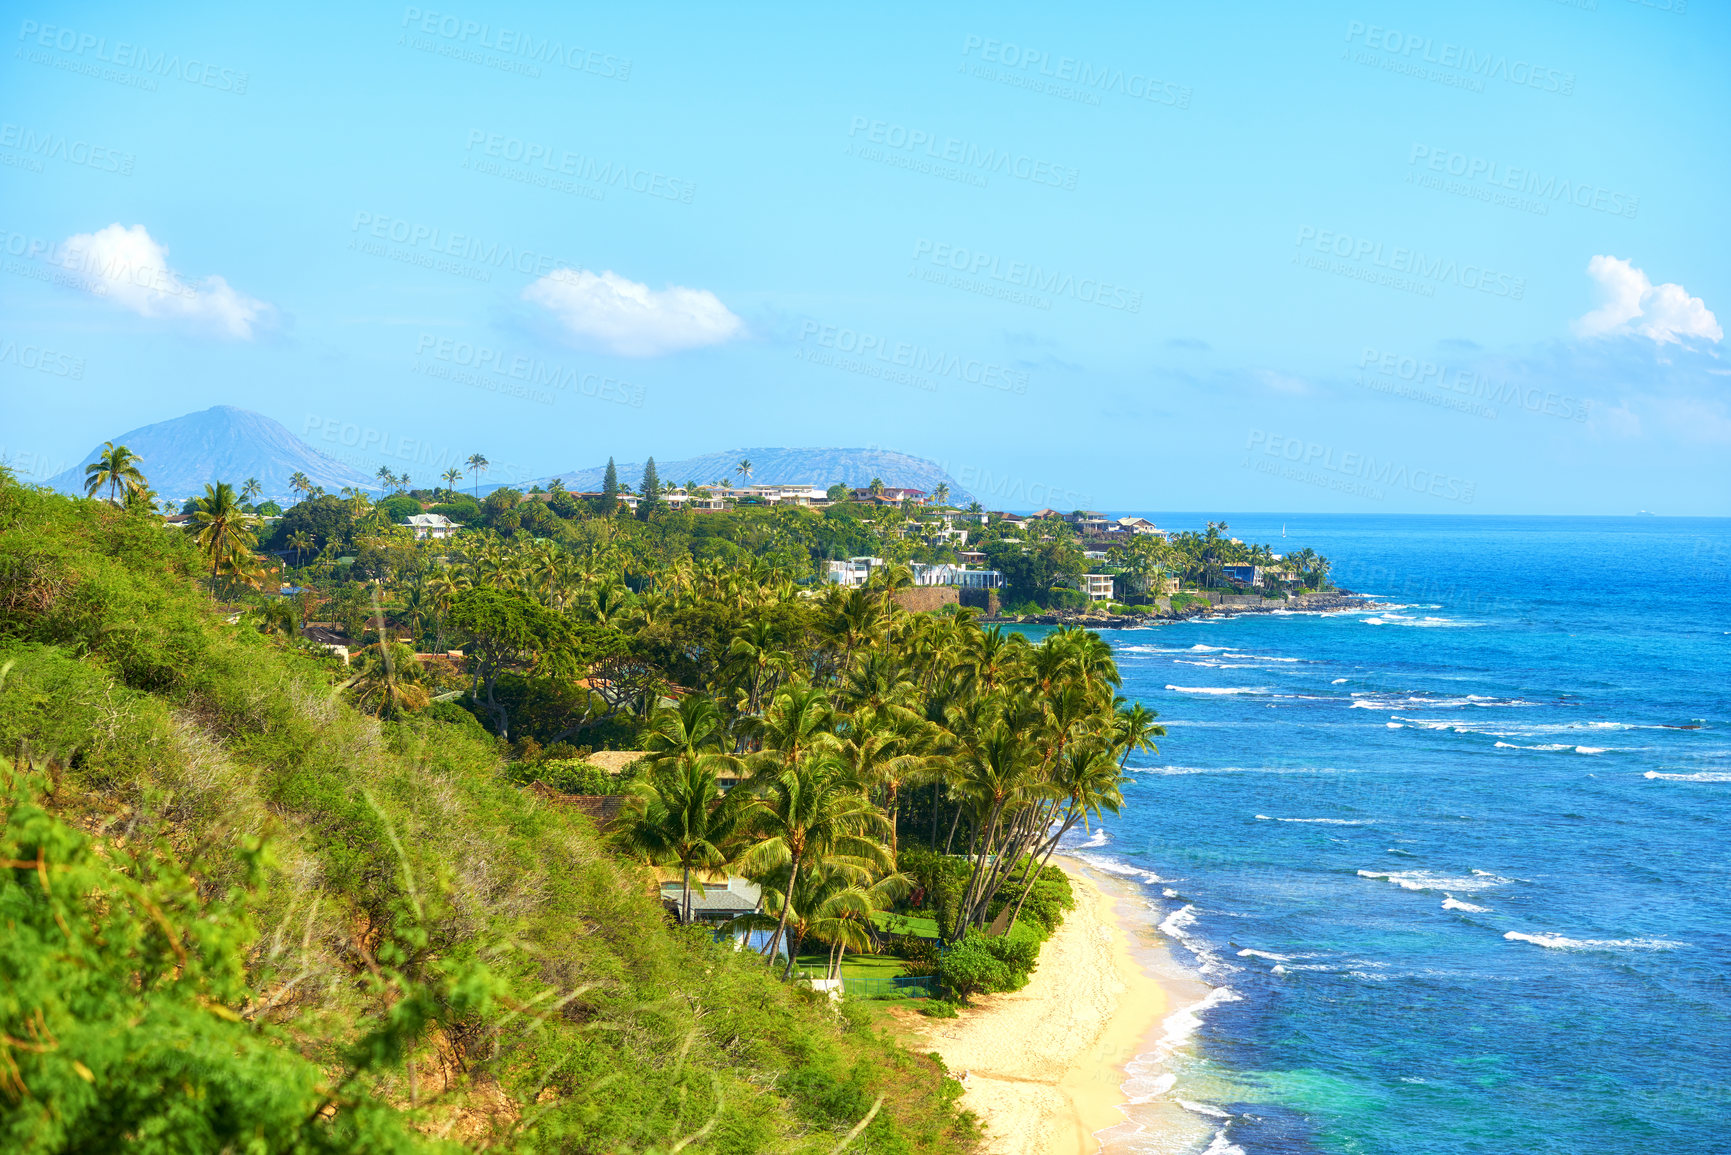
(240,915)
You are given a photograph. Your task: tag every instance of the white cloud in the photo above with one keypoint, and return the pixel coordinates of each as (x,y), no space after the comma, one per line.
(128,267)
(633,320)
(1631,303)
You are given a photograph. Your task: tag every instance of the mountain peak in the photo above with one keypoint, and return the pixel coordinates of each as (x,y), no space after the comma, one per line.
(179,457)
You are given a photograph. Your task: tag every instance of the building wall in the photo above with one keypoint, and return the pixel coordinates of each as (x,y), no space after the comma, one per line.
(981,599)
(927,599)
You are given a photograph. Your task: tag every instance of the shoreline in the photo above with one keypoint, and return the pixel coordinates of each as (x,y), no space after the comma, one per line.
(1047,1065)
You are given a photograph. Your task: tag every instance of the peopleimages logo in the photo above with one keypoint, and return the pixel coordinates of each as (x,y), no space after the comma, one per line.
(532,373)
(1067,76)
(49,146)
(1352,472)
(975,161)
(1472,384)
(41,360)
(1025,275)
(522,48)
(902,361)
(1405,268)
(1496,176)
(562,162)
(79,49)
(434,241)
(1408,49)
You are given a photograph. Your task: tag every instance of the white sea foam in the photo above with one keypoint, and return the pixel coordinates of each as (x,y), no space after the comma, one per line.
(1558,942)
(1453,903)
(1428,621)
(1541,746)
(1199,647)
(1219,689)
(1178,923)
(1592,749)
(1208,1109)
(1395,725)
(1180,1026)
(1324,821)
(1122,869)
(1270,955)
(1169,892)
(1425,880)
(1703,776)
(1222,1145)
(1338,682)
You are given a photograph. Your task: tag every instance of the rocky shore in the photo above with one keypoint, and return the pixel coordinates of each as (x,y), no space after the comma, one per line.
(1216,605)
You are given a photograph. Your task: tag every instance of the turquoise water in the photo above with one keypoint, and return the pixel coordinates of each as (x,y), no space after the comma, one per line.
(1457,868)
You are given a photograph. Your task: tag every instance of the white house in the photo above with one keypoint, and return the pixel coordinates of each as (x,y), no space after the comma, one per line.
(432,525)
(1098,586)
(852,572)
(945,574)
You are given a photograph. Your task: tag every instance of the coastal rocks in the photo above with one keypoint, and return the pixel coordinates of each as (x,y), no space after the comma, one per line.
(1194,605)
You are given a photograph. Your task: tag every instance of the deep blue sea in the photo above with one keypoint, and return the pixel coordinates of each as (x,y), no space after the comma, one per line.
(1456,868)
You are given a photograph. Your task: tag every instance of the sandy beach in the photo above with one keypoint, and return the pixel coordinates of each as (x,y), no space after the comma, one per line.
(1046,1063)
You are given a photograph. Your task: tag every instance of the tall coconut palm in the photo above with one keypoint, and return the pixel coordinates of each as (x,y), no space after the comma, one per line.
(301,484)
(451,477)
(221,528)
(117,468)
(250,489)
(688,733)
(941,494)
(300,541)
(798,721)
(477,465)
(1134,729)
(812,813)
(679,817)
(388,682)
(743,469)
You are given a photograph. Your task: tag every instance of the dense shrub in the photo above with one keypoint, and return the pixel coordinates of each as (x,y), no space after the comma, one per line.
(408,903)
(567,774)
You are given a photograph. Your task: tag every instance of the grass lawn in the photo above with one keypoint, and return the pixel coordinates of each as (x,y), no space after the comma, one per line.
(857,966)
(906,924)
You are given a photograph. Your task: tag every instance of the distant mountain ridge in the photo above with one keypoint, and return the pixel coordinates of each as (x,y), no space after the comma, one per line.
(783,466)
(181,456)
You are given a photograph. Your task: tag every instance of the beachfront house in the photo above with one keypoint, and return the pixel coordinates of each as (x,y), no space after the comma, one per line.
(853,572)
(717,903)
(1097,586)
(945,574)
(431,526)
(1249,575)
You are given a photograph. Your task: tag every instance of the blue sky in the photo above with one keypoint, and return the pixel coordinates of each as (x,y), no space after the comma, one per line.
(1360,257)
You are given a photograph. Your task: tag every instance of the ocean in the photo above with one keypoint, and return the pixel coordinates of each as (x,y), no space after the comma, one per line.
(1456,868)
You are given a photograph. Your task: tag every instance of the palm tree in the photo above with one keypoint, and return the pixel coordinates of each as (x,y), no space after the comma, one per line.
(743,469)
(1133,729)
(451,477)
(386,478)
(117,468)
(876,488)
(250,489)
(389,681)
(223,531)
(798,721)
(478,465)
(300,541)
(941,494)
(679,817)
(301,483)
(813,814)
